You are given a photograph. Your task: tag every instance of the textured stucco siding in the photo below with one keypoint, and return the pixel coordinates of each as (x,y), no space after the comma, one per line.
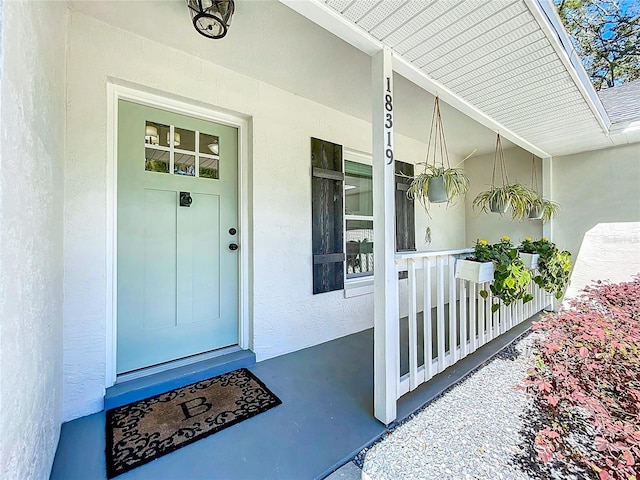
(596,187)
(31,235)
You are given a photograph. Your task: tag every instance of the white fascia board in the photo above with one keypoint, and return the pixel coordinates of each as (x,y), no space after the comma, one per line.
(324,16)
(547,17)
(625,127)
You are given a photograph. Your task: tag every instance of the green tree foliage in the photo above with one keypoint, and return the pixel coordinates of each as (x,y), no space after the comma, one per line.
(606,35)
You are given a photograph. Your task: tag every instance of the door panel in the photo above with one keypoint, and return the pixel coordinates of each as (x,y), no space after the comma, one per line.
(159,253)
(177,280)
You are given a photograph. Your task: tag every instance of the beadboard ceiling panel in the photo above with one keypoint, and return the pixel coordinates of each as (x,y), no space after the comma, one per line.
(496,56)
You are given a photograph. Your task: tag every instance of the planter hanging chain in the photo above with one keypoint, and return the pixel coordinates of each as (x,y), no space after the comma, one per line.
(499,158)
(534,175)
(437,138)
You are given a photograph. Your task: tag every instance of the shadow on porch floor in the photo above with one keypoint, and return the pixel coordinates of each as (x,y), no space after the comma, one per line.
(326,417)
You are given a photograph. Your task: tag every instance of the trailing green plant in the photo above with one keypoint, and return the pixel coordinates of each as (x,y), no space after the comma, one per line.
(587,373)
(456,183)
(519,197)
(438,179)
(499,199)
(510,276)
(546,207)
(554,267)
(540,208)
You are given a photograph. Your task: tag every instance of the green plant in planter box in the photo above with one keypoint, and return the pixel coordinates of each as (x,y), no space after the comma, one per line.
(482,252)
(554,267)
(528,246)
(510,278)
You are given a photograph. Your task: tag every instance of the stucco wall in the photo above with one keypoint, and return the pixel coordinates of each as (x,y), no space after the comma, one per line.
(31,271)
(601,186)
(609,252)
(286,316)
(491,226)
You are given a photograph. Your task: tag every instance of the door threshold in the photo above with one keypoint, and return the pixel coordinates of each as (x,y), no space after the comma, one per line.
(182,362)
(205,366)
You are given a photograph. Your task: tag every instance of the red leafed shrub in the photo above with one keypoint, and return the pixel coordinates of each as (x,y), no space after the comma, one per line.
(588,370)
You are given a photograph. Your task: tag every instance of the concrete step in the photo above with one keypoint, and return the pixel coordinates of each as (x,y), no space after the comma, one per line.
(148,386)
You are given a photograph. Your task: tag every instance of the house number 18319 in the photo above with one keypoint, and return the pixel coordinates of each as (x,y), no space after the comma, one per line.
(388,107)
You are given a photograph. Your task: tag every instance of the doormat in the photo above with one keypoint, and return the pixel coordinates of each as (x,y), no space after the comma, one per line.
(142,431)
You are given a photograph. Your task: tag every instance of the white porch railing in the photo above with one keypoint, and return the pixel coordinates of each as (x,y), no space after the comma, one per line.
(458,320)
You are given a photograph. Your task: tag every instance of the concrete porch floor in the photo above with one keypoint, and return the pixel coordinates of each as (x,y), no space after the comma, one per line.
(326,417)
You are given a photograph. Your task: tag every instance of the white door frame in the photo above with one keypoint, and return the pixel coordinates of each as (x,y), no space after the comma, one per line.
(115,92)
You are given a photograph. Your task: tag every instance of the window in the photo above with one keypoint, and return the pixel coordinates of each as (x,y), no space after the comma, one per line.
(358,215)
(342,217)
(177,151)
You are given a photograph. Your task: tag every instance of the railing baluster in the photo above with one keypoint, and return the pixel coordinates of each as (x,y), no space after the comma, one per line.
(482,309)
(426,317)
(463,318)
(453,312)
(440,312)
(413,326)
(473,343)
(489,313)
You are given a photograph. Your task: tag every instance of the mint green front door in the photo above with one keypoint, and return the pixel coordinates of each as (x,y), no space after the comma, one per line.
(177,236)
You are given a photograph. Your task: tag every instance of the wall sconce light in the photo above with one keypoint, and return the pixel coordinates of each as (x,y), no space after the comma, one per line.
(211,18)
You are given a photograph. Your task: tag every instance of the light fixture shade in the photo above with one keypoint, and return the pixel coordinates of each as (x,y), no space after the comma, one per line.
(151,135)
(211,18)
(176,139)
(214,148)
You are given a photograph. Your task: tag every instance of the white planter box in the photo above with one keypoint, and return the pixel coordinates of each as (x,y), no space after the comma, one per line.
(530,260)
(478,272)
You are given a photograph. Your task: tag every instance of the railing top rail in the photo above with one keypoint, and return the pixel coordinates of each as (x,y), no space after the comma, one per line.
(431,253)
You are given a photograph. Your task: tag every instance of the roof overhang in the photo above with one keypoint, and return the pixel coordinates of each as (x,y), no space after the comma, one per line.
(554,111)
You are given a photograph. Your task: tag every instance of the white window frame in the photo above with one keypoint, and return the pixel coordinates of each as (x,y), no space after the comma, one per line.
(363,285)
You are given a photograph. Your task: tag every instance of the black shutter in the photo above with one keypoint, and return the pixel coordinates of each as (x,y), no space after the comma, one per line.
(327,190)
(405,216)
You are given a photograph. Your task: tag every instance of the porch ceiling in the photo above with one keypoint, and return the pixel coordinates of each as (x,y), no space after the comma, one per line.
(503,57)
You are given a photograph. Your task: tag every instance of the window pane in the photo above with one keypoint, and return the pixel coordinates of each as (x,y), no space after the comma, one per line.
(359,237)
(183,139)
(156,134)
(156,160)
(184,164)
(209,144)
(358,189)
(208,167)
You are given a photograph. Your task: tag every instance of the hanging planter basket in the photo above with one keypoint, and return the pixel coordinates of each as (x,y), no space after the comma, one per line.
(499,205)
(535,213)
(436,191)
(499,199)
(439,182)
(541,208)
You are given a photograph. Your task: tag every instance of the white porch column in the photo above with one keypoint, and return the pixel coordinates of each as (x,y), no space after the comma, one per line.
(385,285)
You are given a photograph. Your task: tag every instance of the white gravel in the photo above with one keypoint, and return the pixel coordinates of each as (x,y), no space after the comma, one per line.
(471,432)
